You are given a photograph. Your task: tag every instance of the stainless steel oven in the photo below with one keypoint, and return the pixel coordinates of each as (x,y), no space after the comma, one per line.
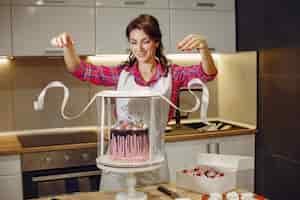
(59,163)
(59,172)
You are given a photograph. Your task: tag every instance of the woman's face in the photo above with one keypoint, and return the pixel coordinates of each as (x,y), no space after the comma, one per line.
(142,47)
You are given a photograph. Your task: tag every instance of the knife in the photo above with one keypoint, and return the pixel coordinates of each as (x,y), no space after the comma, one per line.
(170,193)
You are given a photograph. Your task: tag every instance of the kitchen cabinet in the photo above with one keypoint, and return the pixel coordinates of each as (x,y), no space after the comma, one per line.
(34,25)
(183,154)
(112,18)
(11,178)
(214,19)
(267,24)
(5,31)
(243,145)
(4,2)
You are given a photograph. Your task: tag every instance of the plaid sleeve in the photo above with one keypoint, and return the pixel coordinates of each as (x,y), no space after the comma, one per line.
(99,75)
(183,74)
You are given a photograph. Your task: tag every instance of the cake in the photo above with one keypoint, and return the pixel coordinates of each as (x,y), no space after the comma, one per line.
(129,141)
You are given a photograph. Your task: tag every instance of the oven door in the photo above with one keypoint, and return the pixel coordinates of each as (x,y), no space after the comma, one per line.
(58,172)
(60,181)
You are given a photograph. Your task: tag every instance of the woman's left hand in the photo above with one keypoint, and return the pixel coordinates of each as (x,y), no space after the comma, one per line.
(192,41)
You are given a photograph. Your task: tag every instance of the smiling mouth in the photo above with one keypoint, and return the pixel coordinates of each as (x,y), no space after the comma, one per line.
(140,55)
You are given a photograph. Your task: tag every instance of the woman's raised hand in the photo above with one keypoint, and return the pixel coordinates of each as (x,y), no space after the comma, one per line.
(192,41)
(62,40)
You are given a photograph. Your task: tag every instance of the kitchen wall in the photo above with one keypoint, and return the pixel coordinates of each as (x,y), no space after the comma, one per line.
(237,87)
(22,79)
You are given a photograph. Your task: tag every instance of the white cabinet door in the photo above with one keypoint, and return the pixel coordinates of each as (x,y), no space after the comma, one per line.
(243,145)
(54,2)
(10,178)
(5,31)
(218,27)
(111,27)
(34,26)
(10,165)
(203,4)
(133,3)
(4,2)
(11,187)
(182,155)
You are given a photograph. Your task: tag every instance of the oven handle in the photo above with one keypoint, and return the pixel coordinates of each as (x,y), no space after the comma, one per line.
(65,176)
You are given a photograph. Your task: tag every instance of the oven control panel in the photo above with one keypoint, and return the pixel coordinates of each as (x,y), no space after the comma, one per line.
(58,159)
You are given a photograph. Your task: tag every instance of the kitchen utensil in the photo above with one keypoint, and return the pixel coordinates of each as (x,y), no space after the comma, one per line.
(170,193)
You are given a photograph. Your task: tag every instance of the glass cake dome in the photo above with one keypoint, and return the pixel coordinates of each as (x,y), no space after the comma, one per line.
(131,129)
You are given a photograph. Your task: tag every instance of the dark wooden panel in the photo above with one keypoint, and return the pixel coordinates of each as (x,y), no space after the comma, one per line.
(281,178)
(278,138)
(267,24)
(281,23)
(279,97)
(249,24)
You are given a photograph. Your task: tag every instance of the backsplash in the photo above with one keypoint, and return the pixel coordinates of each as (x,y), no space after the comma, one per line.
(22,79)
(237,87)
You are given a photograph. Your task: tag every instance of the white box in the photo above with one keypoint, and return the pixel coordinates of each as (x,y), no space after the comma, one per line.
(238,174)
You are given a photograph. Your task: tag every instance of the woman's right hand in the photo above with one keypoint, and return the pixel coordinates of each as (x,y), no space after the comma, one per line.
(62,40)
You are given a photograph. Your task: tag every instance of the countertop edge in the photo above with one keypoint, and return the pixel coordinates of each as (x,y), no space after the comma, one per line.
(206,135)
(10,145)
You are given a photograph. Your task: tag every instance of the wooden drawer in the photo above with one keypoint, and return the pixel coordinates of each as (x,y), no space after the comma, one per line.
(203,4)
(54,2)
(133,3)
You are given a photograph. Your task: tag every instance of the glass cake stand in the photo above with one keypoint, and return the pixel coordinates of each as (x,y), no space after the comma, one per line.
(129,168)
(131,193)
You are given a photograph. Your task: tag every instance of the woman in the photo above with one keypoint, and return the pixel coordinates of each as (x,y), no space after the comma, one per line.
(146,68)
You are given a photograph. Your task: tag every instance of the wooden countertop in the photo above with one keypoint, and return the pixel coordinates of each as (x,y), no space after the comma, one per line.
(10,144)
(152,192)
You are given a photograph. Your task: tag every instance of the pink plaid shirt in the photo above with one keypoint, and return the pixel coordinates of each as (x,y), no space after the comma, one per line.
(109,76)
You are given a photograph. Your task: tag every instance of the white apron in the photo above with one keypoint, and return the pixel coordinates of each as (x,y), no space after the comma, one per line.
(135,109)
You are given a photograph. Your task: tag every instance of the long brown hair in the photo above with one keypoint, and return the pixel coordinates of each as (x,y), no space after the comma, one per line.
(149,24)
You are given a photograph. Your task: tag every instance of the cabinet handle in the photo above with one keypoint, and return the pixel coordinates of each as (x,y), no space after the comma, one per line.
(212,49)
(217,148)
(53,51)
(134,3)
(65,176)
(54,1)
(205,4)
(213,148)
(208,148)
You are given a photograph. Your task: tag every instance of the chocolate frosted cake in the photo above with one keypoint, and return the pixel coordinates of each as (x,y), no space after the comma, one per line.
(129,141)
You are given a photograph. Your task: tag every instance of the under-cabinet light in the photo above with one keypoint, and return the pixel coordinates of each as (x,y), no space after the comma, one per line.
(4,59)
(108,57)
(39,2)
(120,57)
(189,56)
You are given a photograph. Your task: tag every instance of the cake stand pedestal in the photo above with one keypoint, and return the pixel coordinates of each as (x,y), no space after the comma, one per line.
(131,193)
